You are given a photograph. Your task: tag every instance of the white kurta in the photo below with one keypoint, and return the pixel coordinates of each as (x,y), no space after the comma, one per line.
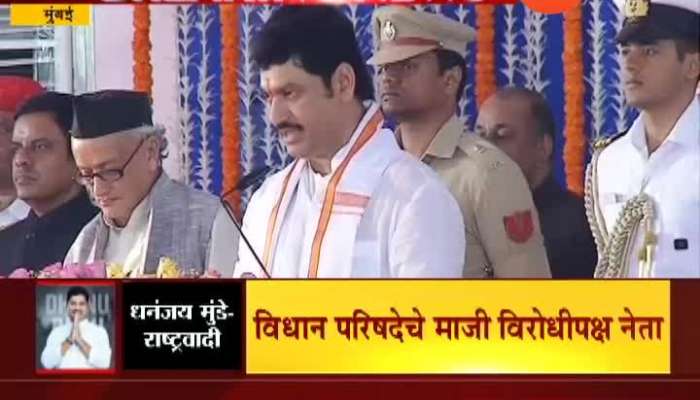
(671,177)
(96,336)
(15,212)
(127,246)
(411,225)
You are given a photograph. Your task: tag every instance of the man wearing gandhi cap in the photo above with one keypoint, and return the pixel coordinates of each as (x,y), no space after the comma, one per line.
(145,215)
(422,76)
(643,186)
(14,90)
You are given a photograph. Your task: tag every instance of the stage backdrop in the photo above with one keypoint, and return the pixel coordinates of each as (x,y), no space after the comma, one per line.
(223,132)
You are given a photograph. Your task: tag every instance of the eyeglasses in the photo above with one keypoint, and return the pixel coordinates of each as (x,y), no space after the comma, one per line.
(108,175)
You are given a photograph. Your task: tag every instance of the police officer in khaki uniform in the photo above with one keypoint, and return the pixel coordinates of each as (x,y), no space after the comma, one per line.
(422,76)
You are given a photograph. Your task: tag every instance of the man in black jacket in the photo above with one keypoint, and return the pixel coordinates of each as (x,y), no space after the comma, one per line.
(44,172)
(520,122)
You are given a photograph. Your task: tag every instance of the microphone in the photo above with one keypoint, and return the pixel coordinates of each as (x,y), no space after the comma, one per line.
(251,179)
(244,183)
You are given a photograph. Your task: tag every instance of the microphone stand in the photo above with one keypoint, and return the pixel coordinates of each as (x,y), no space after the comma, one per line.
(245,182)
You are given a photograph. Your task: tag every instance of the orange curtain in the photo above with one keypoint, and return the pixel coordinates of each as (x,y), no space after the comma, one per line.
(231,143)
(143,71)
(485,57)
(574,134)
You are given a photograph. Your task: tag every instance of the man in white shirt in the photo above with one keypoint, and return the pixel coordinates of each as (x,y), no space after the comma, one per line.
(352,205)
(78,344)
(145,215)
(15,91)
(643,188)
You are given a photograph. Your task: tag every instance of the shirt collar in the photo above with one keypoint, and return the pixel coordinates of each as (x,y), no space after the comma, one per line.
(684,132)
(370,109)
(18,209)
(445,141)
(637,136)
(66,214)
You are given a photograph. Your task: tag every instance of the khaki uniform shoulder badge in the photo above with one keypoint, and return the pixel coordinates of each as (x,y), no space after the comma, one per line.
(481,151)
(473,145)
(495,164)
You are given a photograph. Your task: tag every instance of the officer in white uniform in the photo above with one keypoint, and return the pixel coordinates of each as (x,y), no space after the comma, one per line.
(643,187)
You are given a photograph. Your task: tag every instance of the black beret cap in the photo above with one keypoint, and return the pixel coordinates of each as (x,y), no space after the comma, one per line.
(110,111)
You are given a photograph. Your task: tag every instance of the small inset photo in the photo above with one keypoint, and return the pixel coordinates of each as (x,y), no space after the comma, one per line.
(75,327)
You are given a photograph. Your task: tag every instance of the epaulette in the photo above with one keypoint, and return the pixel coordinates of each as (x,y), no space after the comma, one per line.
(603,142)
(485,154)
(473,145)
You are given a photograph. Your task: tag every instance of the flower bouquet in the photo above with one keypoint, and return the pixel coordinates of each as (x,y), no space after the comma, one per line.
(167,268)
(94,270)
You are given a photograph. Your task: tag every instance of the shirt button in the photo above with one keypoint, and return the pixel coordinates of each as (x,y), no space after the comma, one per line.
(680,244)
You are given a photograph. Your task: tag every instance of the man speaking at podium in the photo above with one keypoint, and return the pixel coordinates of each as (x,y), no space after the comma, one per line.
(145,215)
(352,204)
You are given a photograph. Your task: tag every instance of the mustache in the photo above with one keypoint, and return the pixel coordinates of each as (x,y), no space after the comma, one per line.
(287,125)
(23,170)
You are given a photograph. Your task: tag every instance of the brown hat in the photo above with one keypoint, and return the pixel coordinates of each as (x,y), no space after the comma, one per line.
(401,33)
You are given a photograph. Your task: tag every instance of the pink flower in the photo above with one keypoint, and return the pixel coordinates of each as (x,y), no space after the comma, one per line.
(51,271)
(68,271)
(86,271)
(74,271)
(211,273)
(21,273)
(97,269)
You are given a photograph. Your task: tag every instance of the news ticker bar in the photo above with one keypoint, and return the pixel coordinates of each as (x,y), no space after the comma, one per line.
(467,327)
(350,327)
